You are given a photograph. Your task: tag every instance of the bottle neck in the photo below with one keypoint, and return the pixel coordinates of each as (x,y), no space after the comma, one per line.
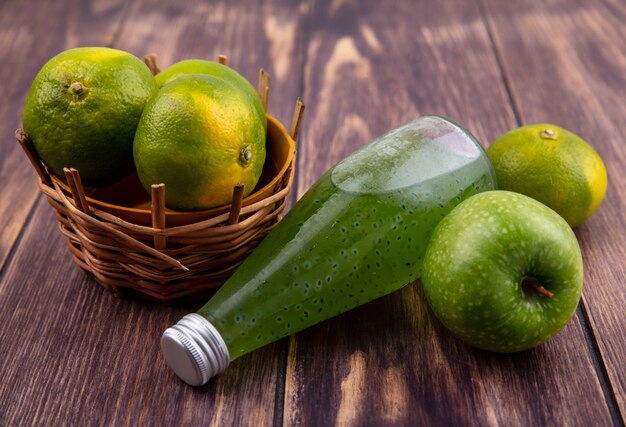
(195,350)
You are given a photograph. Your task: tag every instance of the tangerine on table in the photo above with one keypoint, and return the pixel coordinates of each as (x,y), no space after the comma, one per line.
(553,166)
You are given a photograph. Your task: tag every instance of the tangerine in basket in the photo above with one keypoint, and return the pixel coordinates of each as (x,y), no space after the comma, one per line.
(82,111)
(199,135)
(200,66)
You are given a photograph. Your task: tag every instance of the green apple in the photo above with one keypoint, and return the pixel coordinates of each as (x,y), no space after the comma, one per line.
(503,272)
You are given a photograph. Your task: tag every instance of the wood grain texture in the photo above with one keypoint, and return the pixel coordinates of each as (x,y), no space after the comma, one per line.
(252,35)
(372,67)
(31,32)
(566,63)
(70,354)
(75,355)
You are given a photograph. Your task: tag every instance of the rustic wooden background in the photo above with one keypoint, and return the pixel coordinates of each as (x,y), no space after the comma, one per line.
(70,354)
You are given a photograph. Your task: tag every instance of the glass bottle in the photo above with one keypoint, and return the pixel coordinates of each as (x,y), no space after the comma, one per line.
(360,232)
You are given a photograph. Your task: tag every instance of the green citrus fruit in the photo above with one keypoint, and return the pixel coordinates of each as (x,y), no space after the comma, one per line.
(553,166)
(200,136)
(199,66)
(82,111)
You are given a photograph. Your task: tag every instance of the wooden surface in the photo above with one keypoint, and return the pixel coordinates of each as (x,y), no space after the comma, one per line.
(70,354)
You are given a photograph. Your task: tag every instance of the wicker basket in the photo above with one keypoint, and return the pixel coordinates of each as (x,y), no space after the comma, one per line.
(159,262)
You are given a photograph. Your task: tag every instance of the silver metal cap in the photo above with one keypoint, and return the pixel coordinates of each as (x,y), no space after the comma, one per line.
(195,350)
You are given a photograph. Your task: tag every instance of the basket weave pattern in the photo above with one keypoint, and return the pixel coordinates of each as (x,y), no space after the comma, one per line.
(198,257)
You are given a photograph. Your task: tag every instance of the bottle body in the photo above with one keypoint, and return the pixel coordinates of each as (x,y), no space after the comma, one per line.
(359,233)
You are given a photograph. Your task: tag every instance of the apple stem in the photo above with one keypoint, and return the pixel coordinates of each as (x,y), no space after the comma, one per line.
(541,290)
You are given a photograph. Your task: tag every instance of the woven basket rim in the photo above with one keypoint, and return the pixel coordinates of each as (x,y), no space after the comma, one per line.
(57,190)
(287,170)
(173,214)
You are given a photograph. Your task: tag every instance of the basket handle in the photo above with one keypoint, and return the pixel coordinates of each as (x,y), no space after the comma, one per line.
(31,153)
(264,87)
(151,61)
(235,207)
(296,119)
(158,213)
(77,189)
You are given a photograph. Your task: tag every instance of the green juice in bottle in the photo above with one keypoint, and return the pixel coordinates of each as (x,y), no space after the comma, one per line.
(359,233)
